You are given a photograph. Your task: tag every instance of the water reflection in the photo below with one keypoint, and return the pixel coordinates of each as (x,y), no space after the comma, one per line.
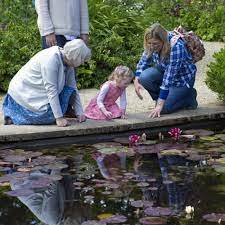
(97,183)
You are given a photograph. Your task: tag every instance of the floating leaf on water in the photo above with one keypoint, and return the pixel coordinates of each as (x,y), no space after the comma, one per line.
(113,186)
(158,211)
(153,188)
(172,152)
(4,184)
(55,166)
(151,180)
(106,192)
(195,157)
(43,160)
(168,182)
(116,219)
(187,137)
(148,204)
(20,192)
(41,182)
(220,161)
(137,204)
(220,136)
(213,144)
(104,216)
(15,158)
(55,177)
(5,169)
(214,217)
(2,163)
(23,169)
(153,221)
(199,132)
(93,222)
(5,178)
(208,138)
(89,197)
(122,140)
(106,145)
(78,183)
(143,184)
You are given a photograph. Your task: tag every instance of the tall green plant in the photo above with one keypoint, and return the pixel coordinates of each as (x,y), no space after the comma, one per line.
(216,75)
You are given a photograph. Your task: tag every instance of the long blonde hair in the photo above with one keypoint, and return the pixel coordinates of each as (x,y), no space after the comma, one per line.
(120,73)
(157,31)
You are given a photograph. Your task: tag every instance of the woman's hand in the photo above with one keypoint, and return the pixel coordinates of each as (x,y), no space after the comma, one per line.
(138,87)
(157,110)
(81,118)
(62,122)
(51,40)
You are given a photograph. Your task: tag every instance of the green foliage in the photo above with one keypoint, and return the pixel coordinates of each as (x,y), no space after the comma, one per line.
(116,32)
(19,41)
(216,75)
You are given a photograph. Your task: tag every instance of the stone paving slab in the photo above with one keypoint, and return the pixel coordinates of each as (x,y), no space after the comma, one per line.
(137,121)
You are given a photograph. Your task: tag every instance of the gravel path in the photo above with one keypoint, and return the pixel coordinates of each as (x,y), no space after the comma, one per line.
(205,95)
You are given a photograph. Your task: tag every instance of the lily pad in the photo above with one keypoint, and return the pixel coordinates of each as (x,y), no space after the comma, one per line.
(172,152)
(158,211)
(116,219)
(122,140)
(93,222)
(199,132)
(208,138)
(214,217)
(20,192)
(106,145)
(153,221)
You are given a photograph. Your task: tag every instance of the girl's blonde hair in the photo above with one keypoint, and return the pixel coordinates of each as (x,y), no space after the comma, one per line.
(157,31)
(120,73)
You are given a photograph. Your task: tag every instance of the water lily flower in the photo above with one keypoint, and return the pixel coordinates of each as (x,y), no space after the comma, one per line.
(133,139)
(189,209)
(175,133)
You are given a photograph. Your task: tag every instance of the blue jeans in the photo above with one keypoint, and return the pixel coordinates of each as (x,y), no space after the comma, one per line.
(61,41)
(178,98)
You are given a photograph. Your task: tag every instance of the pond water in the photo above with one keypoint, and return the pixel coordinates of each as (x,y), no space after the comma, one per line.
(176,181)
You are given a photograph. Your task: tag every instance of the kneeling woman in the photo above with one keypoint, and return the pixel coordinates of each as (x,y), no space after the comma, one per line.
(167,71)
(42,90)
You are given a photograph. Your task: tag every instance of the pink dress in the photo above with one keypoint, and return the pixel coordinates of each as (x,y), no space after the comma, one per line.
(93,111)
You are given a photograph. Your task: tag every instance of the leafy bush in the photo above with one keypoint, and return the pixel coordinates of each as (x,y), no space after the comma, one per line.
(215,79)
(116,32)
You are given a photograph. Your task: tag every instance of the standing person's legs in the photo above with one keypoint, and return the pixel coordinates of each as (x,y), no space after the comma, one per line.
(151,80)
(61,41)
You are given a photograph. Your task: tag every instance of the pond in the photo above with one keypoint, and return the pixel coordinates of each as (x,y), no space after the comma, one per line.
(178,179)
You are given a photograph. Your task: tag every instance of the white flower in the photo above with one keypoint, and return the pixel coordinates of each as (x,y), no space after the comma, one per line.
(189,209)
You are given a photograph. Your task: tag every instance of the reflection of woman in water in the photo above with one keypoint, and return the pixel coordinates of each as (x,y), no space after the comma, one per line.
(55,204)
(177,190)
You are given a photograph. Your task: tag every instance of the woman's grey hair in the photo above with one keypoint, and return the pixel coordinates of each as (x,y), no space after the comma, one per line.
(76,52)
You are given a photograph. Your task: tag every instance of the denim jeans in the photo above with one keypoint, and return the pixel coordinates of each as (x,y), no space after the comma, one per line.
(61,41)
(178,98)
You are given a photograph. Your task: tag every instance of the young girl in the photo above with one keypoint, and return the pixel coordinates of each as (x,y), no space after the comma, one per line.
(104,106)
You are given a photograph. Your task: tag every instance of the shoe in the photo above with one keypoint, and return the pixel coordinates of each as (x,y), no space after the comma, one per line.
(7,121)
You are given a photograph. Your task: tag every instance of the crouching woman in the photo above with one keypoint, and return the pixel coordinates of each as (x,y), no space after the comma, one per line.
(45,86)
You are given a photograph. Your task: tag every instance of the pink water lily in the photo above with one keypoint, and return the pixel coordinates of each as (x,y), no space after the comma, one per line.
(175,133)
(133,139)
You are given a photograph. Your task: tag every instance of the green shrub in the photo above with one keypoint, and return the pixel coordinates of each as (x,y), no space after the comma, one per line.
(215,79)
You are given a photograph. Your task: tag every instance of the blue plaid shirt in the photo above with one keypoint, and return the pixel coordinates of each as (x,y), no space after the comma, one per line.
(178,69)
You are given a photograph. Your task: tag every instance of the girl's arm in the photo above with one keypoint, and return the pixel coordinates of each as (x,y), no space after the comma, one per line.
(101,96)
(123,103)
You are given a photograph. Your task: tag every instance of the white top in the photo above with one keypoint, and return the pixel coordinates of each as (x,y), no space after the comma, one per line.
(40,81)
(102,93)
(62,17)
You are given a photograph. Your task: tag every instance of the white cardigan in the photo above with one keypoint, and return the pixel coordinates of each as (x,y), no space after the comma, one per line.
(62,17)
(40,82)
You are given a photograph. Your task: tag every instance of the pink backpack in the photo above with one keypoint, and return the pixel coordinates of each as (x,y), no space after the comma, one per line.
(193,42)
